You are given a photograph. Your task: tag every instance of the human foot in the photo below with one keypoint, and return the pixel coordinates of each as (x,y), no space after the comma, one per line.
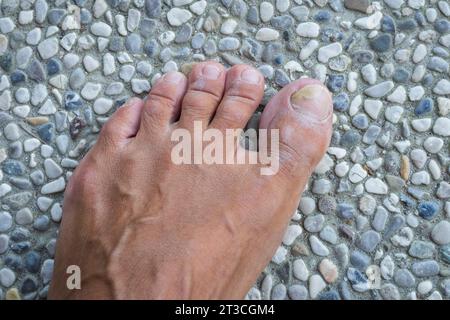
(141,227)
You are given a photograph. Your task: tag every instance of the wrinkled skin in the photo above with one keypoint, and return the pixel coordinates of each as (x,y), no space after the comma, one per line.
(141,227)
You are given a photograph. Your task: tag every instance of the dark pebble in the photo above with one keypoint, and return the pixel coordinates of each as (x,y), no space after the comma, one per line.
(6,61)
(15,149)
(350,138)
(329,295)
(363,56)
(151,49)
(133,43)
(427,209)
(29,285)
(331,35)
(253,15)
(394,224)
(407,25)
(271,51)
(13,167)
(20,234)
(345,211)
(428,80)
(147,27)
(420,18)
(21,247)
(41,223)
(153,8)
(184,33)
(281,78)
(46,132)
(336,82)
(116,44)
(18,76)
(55,16)
(341,102)
(85,16)
(53,66)
(32,261)
(13,262)
(401,75)
(388,24)
(425,106)
(282,22)
(360,121)
(322,16)
(442,26)
(381,43)
(16,39)
(359,260)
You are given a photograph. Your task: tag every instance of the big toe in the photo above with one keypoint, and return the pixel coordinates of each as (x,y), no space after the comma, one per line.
(302,115)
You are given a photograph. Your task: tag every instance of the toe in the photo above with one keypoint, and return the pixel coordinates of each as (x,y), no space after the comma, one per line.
(244,89)
(162,105)
(302,115)
(124,123)
(205,90)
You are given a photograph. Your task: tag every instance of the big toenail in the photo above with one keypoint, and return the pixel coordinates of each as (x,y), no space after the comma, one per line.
(174,77)
(251,76)
(211,72)
(312,100)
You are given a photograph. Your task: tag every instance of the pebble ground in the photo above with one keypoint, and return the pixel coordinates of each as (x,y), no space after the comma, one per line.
(374,222)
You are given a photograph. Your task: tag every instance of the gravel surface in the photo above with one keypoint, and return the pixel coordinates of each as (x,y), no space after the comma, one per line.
(374,222)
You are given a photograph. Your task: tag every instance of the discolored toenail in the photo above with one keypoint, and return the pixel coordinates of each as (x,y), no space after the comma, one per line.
(313,101)
(251,76)
(211,72)
(173,77)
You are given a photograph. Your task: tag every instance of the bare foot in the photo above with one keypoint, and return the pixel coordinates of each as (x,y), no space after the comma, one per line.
(141,227)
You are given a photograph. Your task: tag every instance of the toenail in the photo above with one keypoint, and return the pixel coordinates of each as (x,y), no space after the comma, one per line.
(312,100)
(211,72)
(251,76)
(174,77)
(131,102)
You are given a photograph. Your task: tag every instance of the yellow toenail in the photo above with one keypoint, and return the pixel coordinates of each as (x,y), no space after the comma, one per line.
(313,100)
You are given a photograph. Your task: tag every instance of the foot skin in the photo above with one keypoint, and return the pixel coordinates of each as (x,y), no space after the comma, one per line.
(141,227)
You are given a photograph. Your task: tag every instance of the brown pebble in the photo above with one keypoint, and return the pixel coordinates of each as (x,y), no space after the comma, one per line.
(13,294)
(299,249)
(404,168)
(357,5)
(187,68)
(35,121)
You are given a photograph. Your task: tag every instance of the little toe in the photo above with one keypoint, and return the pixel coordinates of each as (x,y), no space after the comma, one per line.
(162,105)
(302,114)
(244,90)
(205,90)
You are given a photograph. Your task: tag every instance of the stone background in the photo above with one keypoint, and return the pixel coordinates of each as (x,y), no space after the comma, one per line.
(378,203)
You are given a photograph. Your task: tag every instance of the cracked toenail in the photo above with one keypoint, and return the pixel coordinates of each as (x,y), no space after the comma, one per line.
(211,72)
(251,76)
(174,77)
(312,100)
